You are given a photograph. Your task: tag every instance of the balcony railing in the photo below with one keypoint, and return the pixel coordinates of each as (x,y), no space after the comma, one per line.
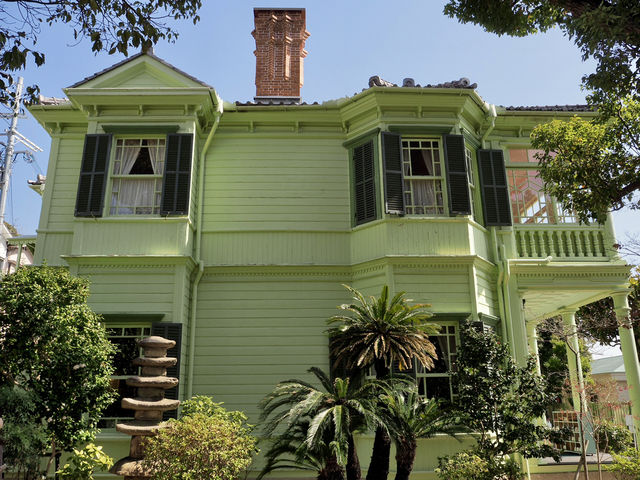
(576,242)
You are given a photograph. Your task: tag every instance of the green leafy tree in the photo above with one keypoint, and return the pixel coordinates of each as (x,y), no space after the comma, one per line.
(606,31)
(24,440)
(502,402)
(381,332)
(111,26)
(596,164)
(200,447)
(55,348)
(408,418)
(593,166)
(333,413)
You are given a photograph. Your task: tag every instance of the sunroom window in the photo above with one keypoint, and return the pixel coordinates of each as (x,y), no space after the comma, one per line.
(125,338)
(423,177)
(530,204)
(136,177)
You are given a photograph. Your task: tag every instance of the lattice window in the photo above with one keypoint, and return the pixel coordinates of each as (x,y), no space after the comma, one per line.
(423,177)
(136,177)
(530,204)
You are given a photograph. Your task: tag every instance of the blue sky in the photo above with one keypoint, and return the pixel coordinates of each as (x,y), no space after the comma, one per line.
(350,41)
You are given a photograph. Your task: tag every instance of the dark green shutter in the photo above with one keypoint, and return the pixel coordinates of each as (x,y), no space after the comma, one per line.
(495,190)
(457,179)
(177,175)
(171,331)
(364,175)
(393,176)
(93,175)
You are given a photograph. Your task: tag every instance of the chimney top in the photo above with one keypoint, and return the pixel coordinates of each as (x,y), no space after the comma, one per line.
(280,35)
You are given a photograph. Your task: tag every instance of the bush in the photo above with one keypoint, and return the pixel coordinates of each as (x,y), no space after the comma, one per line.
(206,406)
(462,466)
(468,465)
(199,447)
(83,463)
(625,466)
(613,438)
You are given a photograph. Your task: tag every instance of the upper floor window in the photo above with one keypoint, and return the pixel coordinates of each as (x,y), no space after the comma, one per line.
(468,158)
(420,176)
(136,178)
(146,176)
(423,177)
(530,204)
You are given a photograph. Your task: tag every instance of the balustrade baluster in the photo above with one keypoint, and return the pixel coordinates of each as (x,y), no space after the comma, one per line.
(569,236)
(534,247)
(522,248)
(579,244)
(560,244)
(589,245)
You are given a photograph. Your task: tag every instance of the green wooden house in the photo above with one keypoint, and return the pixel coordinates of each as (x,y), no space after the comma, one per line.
(231,227)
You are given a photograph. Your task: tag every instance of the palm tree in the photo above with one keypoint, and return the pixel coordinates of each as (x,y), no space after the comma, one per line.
(409,417)
(380,333)
(290,451)
(331,416)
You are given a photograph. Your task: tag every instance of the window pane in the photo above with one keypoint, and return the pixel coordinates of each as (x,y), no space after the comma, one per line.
(126,350)
(441,365)
(438,387)
(529,202)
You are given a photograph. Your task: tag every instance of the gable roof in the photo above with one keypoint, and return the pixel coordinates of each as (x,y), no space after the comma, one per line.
(608,365)
(130,59)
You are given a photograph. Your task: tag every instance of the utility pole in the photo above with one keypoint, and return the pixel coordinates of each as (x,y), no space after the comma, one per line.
(5,173)
(9,152)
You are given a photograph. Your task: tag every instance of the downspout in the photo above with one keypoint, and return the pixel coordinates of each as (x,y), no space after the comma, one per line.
(506,295)
(197,250)
(496,256)
(492,114)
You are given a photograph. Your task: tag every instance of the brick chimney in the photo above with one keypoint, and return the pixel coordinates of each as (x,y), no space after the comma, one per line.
(280,36)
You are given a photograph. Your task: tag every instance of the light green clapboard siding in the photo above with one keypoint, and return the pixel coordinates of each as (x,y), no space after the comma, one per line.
(63,196)
(51,245)
(143,290)
(124,236)
(445,288)
(275,184)
(276,248)
(486,292)
(412,237)
(254,331)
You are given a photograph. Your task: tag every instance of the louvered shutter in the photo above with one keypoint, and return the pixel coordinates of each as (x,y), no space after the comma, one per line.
(495,191)
(457,179)
(393,176)
(176,185)
(364,183)
(93,173)
(171,331)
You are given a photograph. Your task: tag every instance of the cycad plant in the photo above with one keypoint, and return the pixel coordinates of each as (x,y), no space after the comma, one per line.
(409,417)
(381,332)
(331,415)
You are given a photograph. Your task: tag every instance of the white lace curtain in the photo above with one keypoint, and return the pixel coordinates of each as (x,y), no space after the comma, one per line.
(137,195)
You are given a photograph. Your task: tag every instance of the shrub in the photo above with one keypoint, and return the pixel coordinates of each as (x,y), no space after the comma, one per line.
(613,438)
(84,462)
(206,406)
(462,466)
(199,447)
(468,465)
(625,466)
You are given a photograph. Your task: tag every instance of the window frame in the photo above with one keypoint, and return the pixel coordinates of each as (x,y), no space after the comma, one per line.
(111,176)
(442,178)
(556,206)
(145,332)
(475,191)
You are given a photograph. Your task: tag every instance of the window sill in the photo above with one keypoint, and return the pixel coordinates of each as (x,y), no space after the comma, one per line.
(137,218)
(420,219)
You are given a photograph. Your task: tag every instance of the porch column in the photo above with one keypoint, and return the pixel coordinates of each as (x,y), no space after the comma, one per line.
(573,359)
(532,339)
(629,353)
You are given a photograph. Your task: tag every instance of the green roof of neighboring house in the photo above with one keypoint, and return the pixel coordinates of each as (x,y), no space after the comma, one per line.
(607,365)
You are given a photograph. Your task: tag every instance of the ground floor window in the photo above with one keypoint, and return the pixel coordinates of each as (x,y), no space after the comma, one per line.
(436,382)
(125,338)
